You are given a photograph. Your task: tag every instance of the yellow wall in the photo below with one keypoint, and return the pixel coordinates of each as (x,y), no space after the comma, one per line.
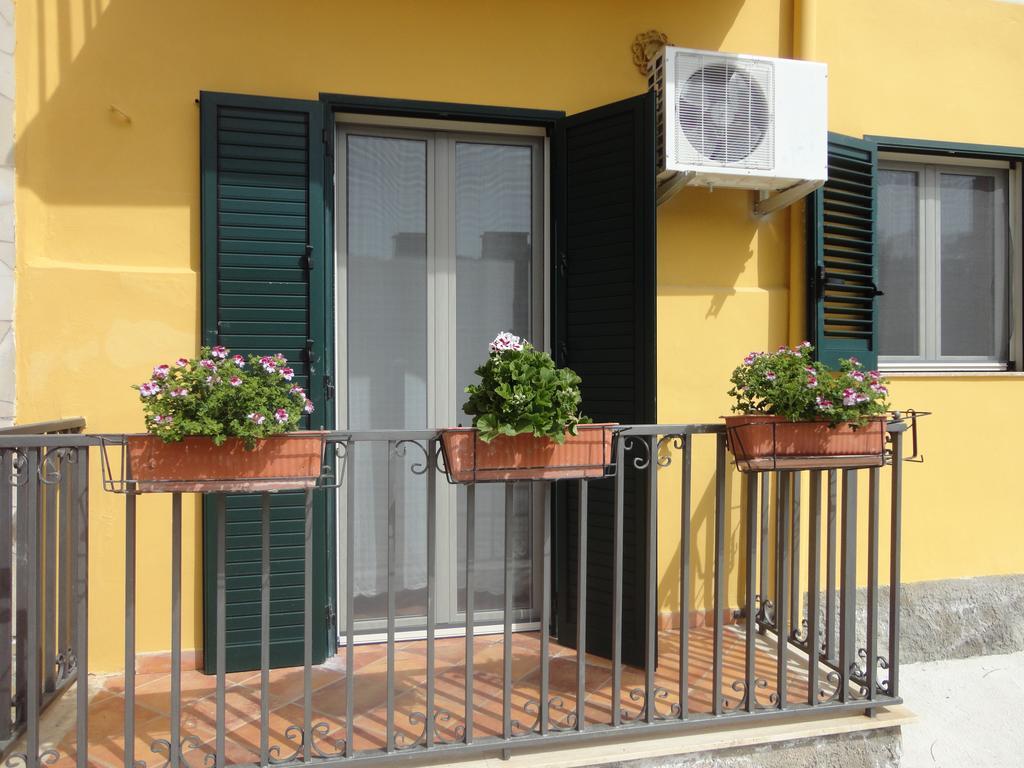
(108,221)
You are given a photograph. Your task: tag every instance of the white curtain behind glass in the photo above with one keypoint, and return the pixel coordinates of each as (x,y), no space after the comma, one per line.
(494,254)
(387,356)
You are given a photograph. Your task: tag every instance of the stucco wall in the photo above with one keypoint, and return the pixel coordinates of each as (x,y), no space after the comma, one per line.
(7,374)
(108,210)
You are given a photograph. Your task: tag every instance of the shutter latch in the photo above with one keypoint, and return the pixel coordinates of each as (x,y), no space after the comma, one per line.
(309,354)
(307,258)
(328,388)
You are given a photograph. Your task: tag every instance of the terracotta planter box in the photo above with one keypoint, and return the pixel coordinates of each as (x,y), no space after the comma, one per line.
(468,459)
(279,463)
(773,442)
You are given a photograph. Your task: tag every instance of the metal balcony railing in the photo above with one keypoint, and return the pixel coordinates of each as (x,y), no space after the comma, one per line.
(788,634)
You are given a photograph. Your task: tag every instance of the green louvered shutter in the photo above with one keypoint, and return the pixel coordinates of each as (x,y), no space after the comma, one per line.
(604,298)
(843,254)
(263,175)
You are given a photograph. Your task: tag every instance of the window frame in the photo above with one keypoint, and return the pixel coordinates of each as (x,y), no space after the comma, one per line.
(929,168)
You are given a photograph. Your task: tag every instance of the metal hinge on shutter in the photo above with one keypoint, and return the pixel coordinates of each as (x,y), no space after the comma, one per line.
(328,388)
(329,613)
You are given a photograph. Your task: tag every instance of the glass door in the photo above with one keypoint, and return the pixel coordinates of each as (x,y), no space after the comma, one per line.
(440,247)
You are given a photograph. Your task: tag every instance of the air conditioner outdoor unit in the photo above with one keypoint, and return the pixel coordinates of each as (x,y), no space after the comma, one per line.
(733,120)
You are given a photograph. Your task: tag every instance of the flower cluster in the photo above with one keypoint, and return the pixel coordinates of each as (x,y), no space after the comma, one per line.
(219,395)
(505,342)
(790,383)
(521,390)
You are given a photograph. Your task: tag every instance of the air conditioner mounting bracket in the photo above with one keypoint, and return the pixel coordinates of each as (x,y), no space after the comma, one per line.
(670,184)
(769,202)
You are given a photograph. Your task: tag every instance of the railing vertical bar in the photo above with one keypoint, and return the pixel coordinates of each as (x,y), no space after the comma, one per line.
(684,577)
(175,752)
(33,618)
(717,698)
(830,569)
(813,587)
(751,566)
(431,586)
(264,629)
(221,627)
(129,628)
(545,622)
(651,656)
(307,632)
(617,526)
(871,662)
(49,567)
(794,571)
(895,550)
(581,611)
(350,570)
(25,501)
(391,584)
(766,481)
(506,674)
(6,595)
(64,543)
(783,534)
(81,607)
(848,583)
(470,608)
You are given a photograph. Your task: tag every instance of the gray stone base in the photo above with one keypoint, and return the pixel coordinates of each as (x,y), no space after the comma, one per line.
(881,748)
(948,619)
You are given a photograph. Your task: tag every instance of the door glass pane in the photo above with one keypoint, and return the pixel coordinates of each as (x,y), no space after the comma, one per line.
(494,240)
(899,264)
(972,320)
(386,272)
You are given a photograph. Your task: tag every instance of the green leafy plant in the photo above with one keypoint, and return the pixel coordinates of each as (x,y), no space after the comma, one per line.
(521,390)
(220,395)
(791,384)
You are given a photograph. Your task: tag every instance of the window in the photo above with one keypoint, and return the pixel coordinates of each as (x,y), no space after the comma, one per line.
(944,266)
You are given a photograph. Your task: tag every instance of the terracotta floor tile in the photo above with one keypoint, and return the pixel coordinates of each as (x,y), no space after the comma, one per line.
(369,718)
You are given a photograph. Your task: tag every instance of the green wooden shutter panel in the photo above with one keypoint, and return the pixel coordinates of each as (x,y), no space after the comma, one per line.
(263,262)
(842,246)
(604,320)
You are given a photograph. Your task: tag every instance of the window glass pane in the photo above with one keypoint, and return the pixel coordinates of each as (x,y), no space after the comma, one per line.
(972,318)
(898,264)
(494,255)
(387,359)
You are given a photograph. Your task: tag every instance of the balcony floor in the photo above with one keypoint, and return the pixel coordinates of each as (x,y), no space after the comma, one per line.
(106,710)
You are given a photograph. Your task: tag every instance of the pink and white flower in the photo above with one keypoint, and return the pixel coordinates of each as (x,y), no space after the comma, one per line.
(268,364)
(880,389)
(506,342)
(280,359)
(178,392)
(256,418)
(822,403)
(770,375)
(235,381)
(238,360)
(749,359)
(812,381)
(855,362)
(856,375)
(875,375)
(149,389)
(297,390)
(219,352)
(208,365)
(158,419)
(181,362)
(161,371)
(308,406)
(287,374)
(849,396)
(281,415)
(804,345)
